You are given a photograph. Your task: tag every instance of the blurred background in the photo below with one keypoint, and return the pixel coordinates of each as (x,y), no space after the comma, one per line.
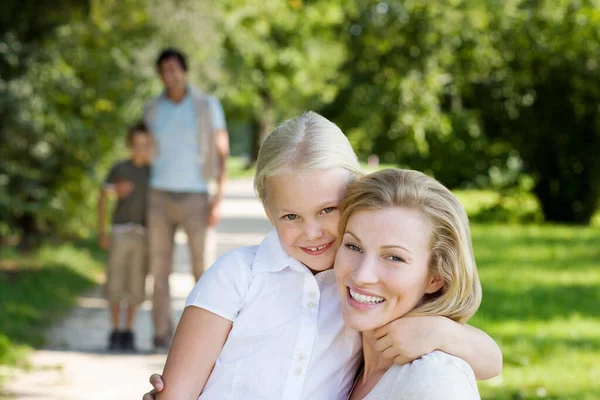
(499,100)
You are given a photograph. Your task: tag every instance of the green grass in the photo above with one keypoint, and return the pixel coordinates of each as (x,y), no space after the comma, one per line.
(541,287)
(39,288)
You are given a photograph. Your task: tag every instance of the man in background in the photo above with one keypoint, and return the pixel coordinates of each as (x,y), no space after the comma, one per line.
(186,182)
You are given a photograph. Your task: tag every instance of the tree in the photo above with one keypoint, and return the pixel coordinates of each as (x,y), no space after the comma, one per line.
(279,58)
(67,100)
(543,99)
(400,97)
(475,91)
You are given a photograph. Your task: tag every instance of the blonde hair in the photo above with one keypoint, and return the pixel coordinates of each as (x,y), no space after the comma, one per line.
(308,141)
(451,251)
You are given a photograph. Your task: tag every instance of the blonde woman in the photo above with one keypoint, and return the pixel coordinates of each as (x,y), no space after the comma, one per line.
(264,322)
(406,251)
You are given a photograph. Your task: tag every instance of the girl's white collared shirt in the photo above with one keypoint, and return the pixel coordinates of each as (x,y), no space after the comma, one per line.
(288,339)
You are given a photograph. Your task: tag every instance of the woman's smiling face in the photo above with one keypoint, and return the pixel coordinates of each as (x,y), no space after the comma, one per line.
(382,266)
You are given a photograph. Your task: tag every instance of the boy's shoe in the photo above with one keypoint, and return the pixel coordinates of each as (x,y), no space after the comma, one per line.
(127,341)
(114,340)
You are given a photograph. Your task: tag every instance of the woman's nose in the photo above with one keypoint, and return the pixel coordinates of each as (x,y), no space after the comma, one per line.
(365,272)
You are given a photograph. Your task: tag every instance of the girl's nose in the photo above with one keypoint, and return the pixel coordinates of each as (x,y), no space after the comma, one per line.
(313,231)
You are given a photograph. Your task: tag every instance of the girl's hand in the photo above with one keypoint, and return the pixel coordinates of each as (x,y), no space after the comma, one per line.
(408,338)
(158,385)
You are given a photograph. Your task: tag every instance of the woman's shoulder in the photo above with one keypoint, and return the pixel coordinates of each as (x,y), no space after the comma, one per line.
(439,359)
(435,375)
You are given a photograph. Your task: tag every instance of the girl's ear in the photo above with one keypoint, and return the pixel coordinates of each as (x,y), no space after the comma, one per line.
(435,283)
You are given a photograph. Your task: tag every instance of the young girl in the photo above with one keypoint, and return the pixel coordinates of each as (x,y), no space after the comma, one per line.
(264,322)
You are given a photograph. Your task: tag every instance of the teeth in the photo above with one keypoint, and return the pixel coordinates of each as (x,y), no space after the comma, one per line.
(361,298)
(317,248)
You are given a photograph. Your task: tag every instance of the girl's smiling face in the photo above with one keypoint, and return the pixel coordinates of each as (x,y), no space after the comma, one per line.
(382,266)
(303,205)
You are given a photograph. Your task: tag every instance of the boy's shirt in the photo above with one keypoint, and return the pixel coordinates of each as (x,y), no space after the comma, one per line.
(130,211)
(288,339)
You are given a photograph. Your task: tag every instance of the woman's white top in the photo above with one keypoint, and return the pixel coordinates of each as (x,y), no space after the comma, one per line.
(434,376)
(288,339)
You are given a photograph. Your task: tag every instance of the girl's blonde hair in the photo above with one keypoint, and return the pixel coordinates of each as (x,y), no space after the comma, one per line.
(308,141)
(451,251)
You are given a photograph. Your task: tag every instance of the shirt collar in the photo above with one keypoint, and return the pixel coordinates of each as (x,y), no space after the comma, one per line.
(191,92)
(270,257)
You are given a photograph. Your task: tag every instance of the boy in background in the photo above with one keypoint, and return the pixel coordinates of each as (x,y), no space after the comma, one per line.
(127,244)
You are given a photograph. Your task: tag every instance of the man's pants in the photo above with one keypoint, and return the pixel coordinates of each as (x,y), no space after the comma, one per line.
(167,211)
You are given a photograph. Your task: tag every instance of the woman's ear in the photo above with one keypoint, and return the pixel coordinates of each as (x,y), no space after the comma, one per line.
(435,283)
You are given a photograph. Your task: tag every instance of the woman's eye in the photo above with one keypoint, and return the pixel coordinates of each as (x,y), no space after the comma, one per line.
(290,217)
(327,210)
(396,259)
(352,247)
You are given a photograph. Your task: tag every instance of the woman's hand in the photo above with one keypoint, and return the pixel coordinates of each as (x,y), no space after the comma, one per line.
(408,338)
(158,385)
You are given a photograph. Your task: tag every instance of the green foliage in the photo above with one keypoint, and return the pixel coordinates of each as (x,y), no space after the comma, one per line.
(402,100)
(37,289)
(281,52)
(64,111)
(475,92)
(541,98)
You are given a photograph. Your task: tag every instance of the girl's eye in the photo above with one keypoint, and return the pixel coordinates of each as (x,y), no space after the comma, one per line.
(327,210)
(290,217)
(352,247)
(396,259)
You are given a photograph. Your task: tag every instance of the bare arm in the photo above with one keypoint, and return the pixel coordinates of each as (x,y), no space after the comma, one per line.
(475,347)
(409,338)
(198,340)
(222,145)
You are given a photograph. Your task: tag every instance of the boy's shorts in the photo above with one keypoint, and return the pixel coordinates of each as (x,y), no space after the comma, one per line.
(127,267)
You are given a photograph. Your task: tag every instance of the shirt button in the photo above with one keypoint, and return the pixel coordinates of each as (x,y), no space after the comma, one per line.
(313,294)
(311,305)
(298,371)
(300,357)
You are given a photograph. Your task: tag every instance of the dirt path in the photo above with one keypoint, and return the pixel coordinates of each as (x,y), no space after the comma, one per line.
(75,366)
